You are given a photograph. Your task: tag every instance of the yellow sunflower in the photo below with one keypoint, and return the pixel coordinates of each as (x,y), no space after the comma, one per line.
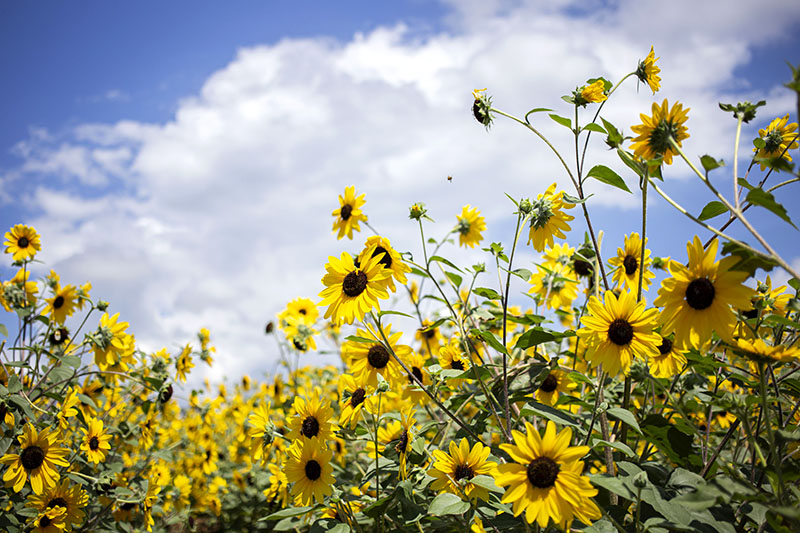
(312,418)
(430,338)
(52,520)
(452,357)
(390,259)
(548,218)
(412,392)
(368,359)
(95,441)
(697,299)
(308,466)
(778,136)
(669,361)
(62,304)
(647,71)
(655,131)
(628,270)
(72,498)
(461,463)
(278,489)
(260,432)
(183,363)
(40,454)
(18,292)
(760,352)
(556,382)
(353,394)
(110,341)
(349,214)
(304,309)
(617,330)
(594,92)
(351,292)
(559,254)
(545,478)
(556,286)
(22,242)
(469,226)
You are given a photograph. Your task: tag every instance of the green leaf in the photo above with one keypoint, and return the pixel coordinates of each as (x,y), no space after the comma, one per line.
(356,338)
(487,482)
(575,199)
(709,163)
(564,121)
(3,330)
(624,448)
(536,336)
(760,197)
(455,278)
(445,261)
(625,416)
(14,384)
(489,294)
(288,513)
(748,261)
(711,210)
(491,339)
(594,127)
(522,273)
(447,503)
(607,176)
(398,313)
(550,413)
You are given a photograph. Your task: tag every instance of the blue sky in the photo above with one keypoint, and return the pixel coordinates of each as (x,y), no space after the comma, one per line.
(185,156)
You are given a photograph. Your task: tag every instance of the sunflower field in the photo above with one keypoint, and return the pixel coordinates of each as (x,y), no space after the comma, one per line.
(593,391)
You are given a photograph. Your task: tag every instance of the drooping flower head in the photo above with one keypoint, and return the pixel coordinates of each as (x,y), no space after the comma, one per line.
(656,130)
(545,478)
(22,242)
(697,299)
(594,92)
(548,218)
(617,330)
(469,226)
(349,214)
(647,71)
(779,137)
(353,291)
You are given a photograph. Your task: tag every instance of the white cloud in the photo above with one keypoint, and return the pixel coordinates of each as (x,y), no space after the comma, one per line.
(221,215)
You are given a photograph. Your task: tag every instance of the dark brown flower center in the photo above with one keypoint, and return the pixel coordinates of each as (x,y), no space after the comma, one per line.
(61,502)
(386,260)
(700,294)
(665,347)
(59,335)
(417,373)
(313,470)
(58,302)
(44,521)
(302,311)
(32,457)
(310,427)
(127,506)
(166,394)
(542,472)
(631,264)
(354,283)
(457,365)
(23,242)
(463,471)
(582,268)
(358,397)
(403,444)
(346,211)
(549,384)
(94,443)
(429,334)
(620,332)
(377,356)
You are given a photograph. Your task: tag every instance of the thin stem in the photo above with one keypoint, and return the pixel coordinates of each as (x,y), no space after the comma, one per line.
(740,118)
(505,317)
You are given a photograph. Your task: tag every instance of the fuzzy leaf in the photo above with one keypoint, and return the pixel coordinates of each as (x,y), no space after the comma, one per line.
(758,196)
(447,503)
(607,176)
(711,210)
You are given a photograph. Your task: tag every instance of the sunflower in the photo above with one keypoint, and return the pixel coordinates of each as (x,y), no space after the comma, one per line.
(260,432)
(353,394)
(110,341)
(647,71)
(351,291)
(451,357)
(62,304)
(389,258)
(40,454)
(779,138)
(461,463)
(52,520)
(469,226)
(299,334)
(655,131)
(368,359)
(22,242)
(349,213)
(412,392)
(559,254)
(312,418)
(278,488)
(548,219)
(18,292)
(95,441)
(626,261)
(405,439)
(72,498)
(760,352)
(697,299)
(304,309)
(68,407)
(183,364)
(149,502)
(545,478)
(430,338)
(669,361)
(308,466)
(594,92)
(557,286)
(617,330)
(556,382)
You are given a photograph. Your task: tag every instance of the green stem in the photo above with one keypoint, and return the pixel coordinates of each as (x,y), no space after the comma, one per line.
(505,318)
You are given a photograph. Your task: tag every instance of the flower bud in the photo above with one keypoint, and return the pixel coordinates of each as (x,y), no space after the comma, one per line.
(102,305)
(417,211)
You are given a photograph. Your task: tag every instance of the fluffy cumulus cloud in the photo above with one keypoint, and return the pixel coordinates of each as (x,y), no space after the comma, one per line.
(221,215)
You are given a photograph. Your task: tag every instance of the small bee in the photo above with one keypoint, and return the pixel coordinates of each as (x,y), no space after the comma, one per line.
(450,179)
